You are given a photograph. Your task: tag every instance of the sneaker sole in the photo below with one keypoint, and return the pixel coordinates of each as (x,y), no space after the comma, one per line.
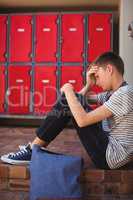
(14,162)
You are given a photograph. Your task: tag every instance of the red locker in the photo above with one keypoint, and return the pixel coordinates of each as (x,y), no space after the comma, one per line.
(2,88)
(44,89)
(72,75)
(3,29)
(18,94)
(21,38)
(72,38)
(99,34)
(46,38)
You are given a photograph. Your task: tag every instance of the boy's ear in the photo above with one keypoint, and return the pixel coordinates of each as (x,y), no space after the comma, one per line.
(110,68)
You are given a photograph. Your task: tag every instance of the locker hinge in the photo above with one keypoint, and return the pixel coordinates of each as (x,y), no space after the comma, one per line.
(7,22)
(4,106)
(31,22)
(84,73)
(30,72)
(84,20)
(83,55)
(30,55)
(110,20)
(5,72)
(57,73)
(57,20)
(56,55)
(61,40)
(5,55)
(8,92)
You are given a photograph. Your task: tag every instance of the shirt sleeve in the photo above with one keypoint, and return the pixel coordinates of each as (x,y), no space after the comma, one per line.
(121,102)
(101,97)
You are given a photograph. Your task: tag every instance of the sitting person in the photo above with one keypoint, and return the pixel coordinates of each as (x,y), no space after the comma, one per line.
(108,149)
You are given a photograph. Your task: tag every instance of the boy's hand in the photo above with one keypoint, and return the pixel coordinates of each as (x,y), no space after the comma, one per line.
(66,87)
(90,76)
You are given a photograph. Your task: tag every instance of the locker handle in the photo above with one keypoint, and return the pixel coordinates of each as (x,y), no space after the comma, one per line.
(72,81)
(45,81)
(19,81)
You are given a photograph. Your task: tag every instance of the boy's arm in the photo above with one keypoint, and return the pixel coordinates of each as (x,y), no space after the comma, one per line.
(81,116)
(85,90)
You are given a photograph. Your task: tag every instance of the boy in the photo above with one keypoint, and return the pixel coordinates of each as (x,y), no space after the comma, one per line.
(108,150)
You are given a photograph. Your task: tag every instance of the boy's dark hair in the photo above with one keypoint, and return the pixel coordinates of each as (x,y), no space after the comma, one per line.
(110,58)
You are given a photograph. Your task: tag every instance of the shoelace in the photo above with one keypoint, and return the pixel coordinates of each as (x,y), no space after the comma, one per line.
(19,153)
(21,147)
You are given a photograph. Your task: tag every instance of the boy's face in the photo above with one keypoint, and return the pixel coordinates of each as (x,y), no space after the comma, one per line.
(103,78)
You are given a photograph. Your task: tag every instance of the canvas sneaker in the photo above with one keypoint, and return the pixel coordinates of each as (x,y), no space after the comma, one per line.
(23,156)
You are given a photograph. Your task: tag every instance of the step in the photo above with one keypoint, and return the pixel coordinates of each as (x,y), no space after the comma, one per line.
(95,183)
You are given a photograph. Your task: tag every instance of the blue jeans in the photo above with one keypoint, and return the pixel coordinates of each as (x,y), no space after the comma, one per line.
(93,138)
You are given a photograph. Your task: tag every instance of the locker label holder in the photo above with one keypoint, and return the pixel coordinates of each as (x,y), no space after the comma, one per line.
(72,29)
(100,29)
(19,81)
(45,81)
(21,30)
(46,29)
(72,81)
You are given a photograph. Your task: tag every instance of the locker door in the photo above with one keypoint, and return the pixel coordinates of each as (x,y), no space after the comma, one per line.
(72,75)
(2,88)
(95,89)
(99,35)
(72,38)
(44,89)
(19,89)
(21,38)
(46,38)
(3,29)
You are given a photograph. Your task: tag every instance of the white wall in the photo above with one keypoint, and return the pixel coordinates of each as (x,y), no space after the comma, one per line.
(126,43)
